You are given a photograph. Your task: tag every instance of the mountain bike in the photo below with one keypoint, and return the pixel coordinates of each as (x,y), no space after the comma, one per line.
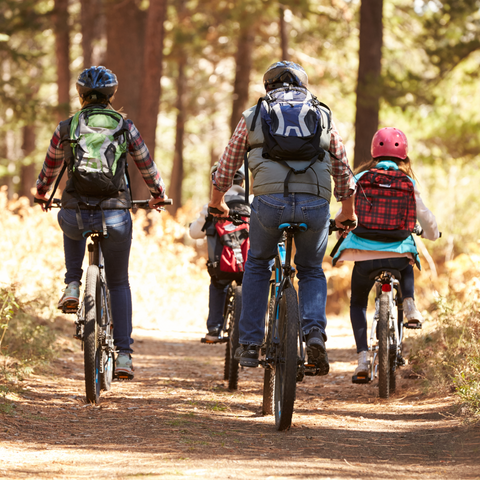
(231,316)
(284,346)
(386,335)
(94,324)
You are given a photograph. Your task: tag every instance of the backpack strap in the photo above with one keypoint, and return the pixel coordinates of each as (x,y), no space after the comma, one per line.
(68,153)
(247,173)
(257,111)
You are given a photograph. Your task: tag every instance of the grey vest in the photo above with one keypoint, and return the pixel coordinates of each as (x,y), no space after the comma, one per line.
(269,176)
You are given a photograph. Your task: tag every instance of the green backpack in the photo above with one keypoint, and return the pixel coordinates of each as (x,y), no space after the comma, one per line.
(95,145)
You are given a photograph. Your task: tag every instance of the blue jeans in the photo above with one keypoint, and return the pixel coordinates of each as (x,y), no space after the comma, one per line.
(268,212)
(361,286)
(116,252)
(216,303)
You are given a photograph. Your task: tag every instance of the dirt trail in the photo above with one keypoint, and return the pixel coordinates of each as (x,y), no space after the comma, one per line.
(177,419)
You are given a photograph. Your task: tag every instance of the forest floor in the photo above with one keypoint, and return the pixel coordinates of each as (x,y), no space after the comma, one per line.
(177,419)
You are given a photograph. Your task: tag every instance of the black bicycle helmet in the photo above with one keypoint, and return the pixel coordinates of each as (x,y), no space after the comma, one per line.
(98,80)
(239,176)
(285,72)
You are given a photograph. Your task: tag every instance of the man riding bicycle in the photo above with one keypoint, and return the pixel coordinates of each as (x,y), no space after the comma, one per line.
(287,190)
(105,211)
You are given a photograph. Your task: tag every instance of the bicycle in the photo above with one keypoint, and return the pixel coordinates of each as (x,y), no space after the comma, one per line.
(386,335)
(231,316)
(284,345)
(94,325)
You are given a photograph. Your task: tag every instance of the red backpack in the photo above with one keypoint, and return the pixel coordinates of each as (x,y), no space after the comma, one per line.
(385,205)
(228,246)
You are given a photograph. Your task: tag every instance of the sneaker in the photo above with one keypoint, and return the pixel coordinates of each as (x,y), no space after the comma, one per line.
(124,366)
(247,355)
(363,364)
(70,297)
(214,334)
(317,353)
(413,316)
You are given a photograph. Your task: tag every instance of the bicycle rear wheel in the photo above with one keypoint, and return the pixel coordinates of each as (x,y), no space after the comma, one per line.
(234,338)
(384,347)
(107,359)
(286,361)
(227,328)
(268,406)
(92,349)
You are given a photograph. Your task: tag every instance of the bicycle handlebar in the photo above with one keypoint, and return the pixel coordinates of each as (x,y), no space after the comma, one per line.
(333,226)
(57,203)
(234,217)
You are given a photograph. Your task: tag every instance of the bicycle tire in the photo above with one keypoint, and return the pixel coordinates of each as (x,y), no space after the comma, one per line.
(107,358)
(268,405)
(234,339)
(227,328)
(383,347)
(91,347)
(286,362)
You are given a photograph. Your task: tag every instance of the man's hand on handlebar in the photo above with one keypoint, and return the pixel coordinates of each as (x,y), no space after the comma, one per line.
(157,203)
(346,222)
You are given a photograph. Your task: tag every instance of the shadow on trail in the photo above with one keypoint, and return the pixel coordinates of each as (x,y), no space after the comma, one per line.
(178,405)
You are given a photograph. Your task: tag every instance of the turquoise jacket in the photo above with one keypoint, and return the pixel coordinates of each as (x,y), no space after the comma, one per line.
(352,241)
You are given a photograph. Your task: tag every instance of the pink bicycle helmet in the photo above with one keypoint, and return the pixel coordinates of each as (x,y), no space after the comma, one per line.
(389,142)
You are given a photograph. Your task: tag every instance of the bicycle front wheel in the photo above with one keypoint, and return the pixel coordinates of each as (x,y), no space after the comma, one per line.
(286,361)
(234,338)
(384,347)
(92,348)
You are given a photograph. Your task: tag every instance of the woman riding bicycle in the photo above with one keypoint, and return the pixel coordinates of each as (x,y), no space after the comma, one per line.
(107,211)
(390,247)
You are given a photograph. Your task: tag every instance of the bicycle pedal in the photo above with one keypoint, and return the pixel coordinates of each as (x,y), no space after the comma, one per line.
(360,379)
(310,369)
(77,337)
(213,342)
(413,325)
(123,376)
(70,310)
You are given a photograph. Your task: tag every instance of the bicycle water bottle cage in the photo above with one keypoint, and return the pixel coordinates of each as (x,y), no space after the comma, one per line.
(301,227)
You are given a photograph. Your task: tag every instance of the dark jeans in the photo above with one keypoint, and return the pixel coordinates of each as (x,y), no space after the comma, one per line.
(216,302)
(268,212)
(116,252)
(361,286)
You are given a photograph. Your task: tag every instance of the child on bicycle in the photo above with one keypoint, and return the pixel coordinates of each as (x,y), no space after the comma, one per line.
(388,203)
(80,212)
(235,196)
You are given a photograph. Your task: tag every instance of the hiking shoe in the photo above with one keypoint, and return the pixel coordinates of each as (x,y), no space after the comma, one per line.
(214,334)
(124,366)
(316,351)
(363,364)
(413,316)
(70,297)
(247,355)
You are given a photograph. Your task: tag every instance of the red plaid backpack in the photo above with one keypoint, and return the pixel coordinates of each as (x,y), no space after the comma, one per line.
(385,205)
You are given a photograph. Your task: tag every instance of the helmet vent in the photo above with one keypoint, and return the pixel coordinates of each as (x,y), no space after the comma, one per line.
(396,144)
(381,144)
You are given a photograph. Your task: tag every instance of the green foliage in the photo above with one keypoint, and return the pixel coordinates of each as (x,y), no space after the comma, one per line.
(25,343)
(448,357)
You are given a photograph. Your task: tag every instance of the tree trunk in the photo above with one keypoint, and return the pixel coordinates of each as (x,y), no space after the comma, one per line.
(151,88)
(62,54)
(283,27)
(27,179)
(125,25)
(175,190)
(243,61)
(368,83)
(90,19)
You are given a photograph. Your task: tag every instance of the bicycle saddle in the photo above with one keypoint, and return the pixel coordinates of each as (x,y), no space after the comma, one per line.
(301,227)
(378,272)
